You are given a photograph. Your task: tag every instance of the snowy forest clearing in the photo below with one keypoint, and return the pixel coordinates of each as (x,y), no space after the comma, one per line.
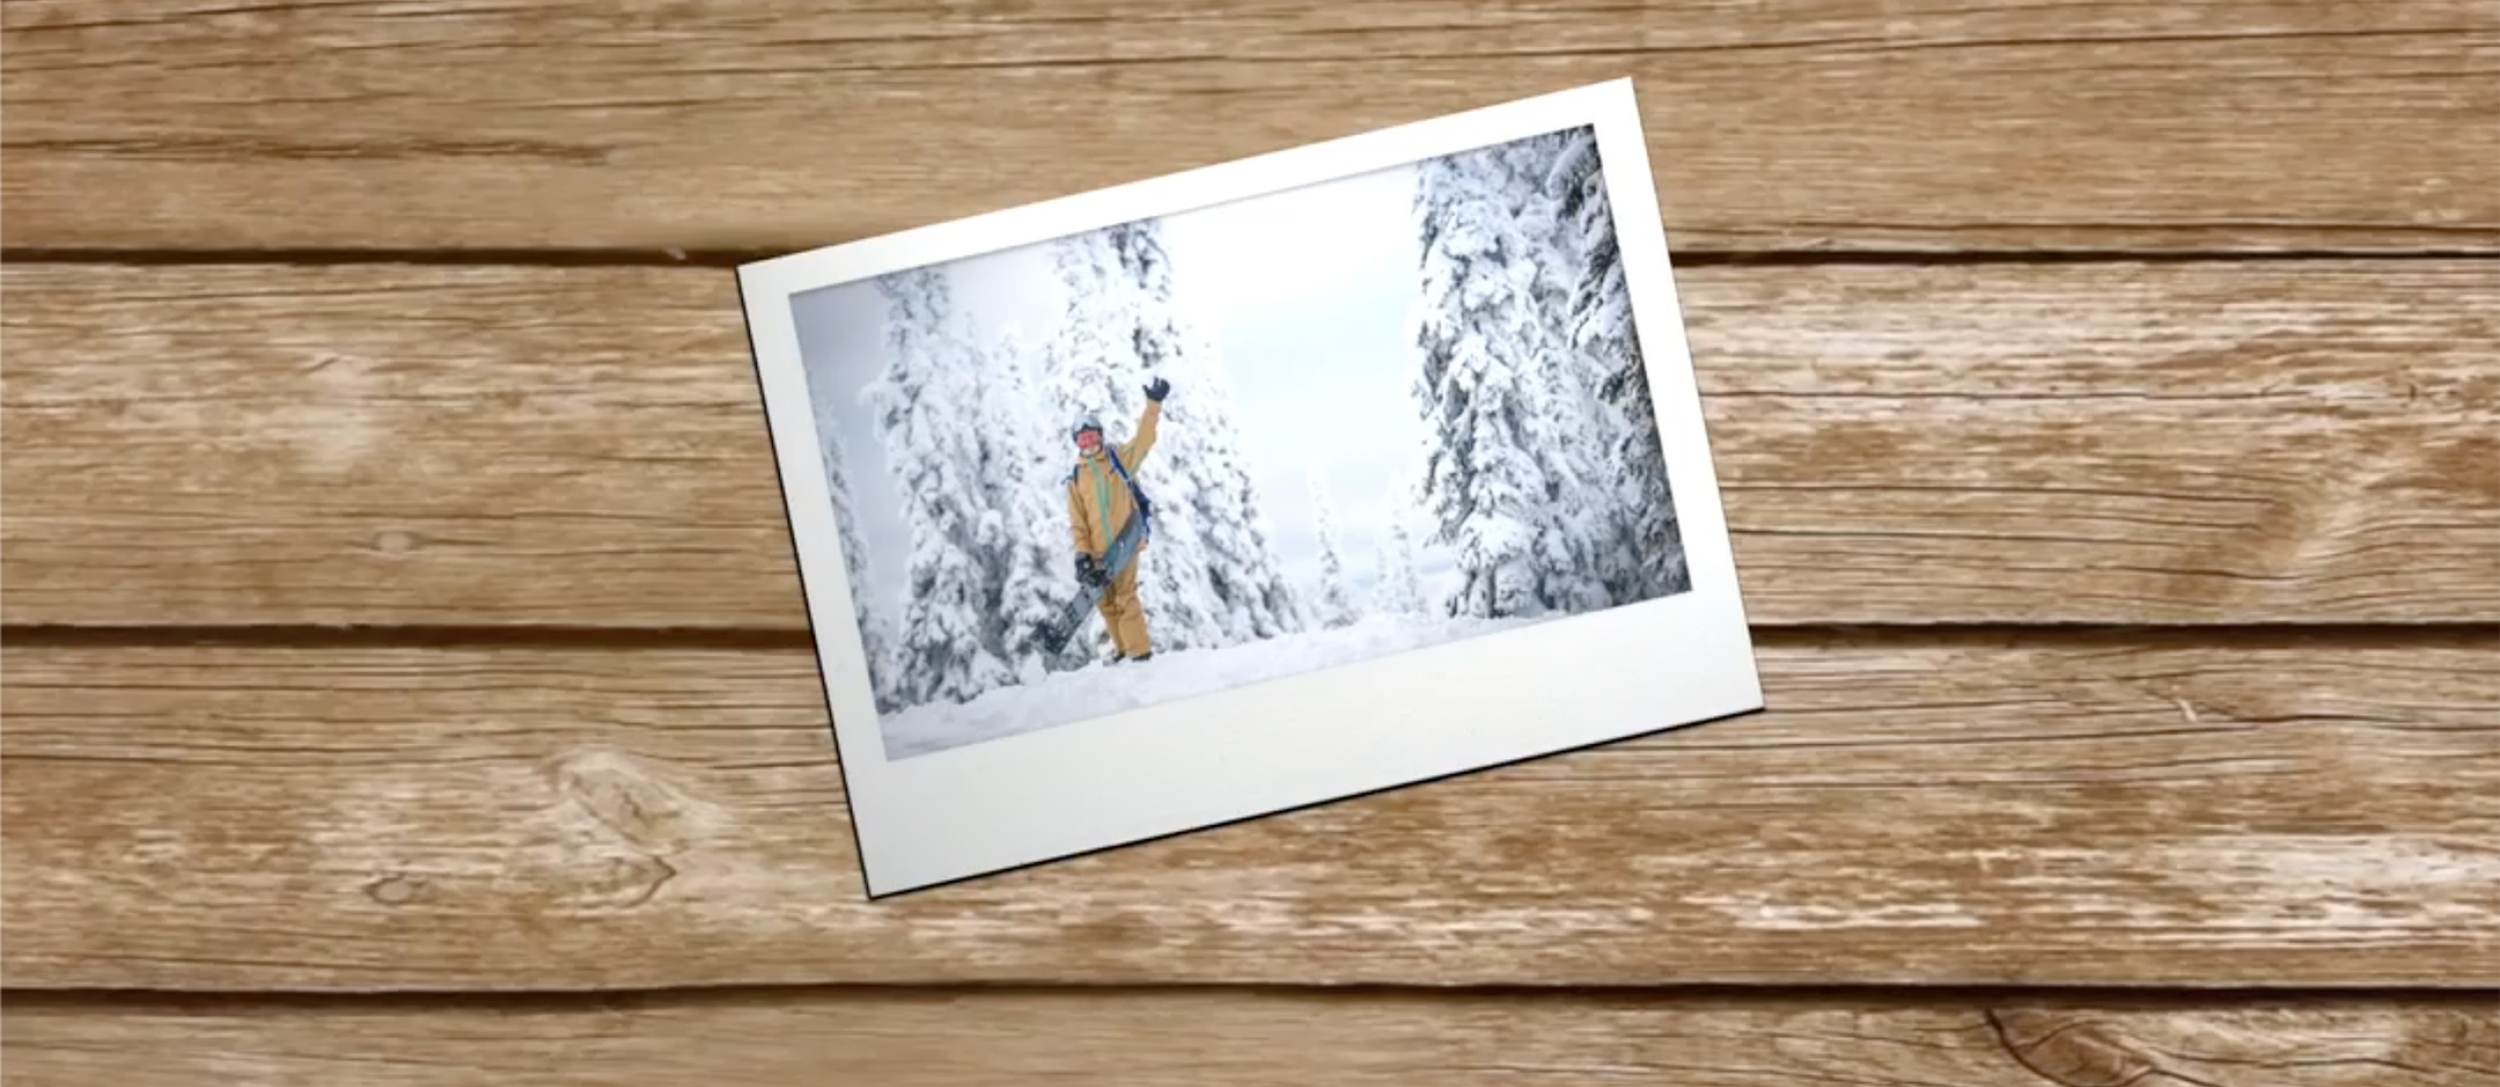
(1064,697)
(1469,382)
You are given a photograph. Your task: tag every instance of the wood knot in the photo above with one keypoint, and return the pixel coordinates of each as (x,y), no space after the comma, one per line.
(2070,1048)
(630,799)
(632,821)
(627,882)
(393,890)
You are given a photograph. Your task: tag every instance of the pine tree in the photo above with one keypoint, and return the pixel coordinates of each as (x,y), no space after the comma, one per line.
(1499,473)
(1092,357)
(926,403)
(1231,570)
(1585,538)
(875,627)
(1335,600)
(1211,577)
(1027,543)
(1649,551)
(1245,575)
(1400,587)
(1105,357)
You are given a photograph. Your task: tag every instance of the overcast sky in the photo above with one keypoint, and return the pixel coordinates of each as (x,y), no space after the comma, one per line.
(1305,294)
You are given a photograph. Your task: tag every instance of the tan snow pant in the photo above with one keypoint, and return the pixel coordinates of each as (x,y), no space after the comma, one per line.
(1122,615)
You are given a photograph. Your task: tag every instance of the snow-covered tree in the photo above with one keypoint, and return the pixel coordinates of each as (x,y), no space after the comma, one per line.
(1589,484)
(1333,597)
(875,627)
(1025,537)
(1505,460)
(1103,362)
(1399,590)
(1245,576)
(1212,578)
(1648,555)
(1598,310)
(927,404)
(1093,357)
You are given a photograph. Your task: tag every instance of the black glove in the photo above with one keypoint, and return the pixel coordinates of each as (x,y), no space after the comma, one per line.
(1089,571)
(1158,389)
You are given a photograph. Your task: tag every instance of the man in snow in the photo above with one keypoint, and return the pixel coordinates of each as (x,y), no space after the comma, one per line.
(1105,505)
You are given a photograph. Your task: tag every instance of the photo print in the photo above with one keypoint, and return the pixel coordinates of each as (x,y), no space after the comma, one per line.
(1345,415)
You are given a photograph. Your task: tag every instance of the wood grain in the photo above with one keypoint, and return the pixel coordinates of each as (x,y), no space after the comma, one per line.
(2280,810)
(2311,442)
(462,810)
(1255,1039)
(781,124)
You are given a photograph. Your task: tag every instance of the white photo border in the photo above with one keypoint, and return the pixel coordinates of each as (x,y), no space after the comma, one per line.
(1283,744)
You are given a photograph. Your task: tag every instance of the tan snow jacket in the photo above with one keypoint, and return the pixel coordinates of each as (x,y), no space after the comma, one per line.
(1099,505)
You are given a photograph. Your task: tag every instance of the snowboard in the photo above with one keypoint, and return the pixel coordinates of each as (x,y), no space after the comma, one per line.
(1072,615)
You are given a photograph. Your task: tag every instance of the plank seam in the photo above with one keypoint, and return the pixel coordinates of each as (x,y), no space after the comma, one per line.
(424,636)
(2274,634)
(1716,994)
(725,259)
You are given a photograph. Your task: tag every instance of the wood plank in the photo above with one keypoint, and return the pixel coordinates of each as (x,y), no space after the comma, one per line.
(780,124)
(2074,808)
(485,446)
(1248,1038)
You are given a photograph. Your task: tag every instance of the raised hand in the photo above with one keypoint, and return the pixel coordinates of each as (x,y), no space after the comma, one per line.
(1157,389)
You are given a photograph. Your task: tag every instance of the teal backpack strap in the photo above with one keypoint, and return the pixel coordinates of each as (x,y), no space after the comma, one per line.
(1145,509)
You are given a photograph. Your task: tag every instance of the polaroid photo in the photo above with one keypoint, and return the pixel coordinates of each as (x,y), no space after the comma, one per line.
(1248,488)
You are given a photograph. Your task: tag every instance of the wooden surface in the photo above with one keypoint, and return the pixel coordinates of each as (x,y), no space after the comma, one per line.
(1816,125)
(2126,442)
(2060,809)
(405,682)
(743,1039)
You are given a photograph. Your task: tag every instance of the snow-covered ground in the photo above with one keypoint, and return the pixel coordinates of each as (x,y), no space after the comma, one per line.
(1101,689)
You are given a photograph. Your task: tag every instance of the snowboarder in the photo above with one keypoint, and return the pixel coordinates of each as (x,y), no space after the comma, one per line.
(1109,518)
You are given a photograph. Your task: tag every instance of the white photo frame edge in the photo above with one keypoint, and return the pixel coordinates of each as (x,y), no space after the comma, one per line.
(1272,747)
